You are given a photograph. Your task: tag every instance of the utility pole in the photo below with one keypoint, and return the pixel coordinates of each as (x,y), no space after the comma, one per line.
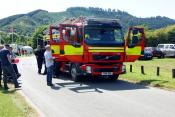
(12,35)
(37,42)
(11,31)
(0,39)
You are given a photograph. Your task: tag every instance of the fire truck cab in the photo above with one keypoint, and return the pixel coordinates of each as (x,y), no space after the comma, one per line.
(94,47)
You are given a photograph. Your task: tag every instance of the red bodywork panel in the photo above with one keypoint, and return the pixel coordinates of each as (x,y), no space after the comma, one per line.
(87,58)
(133,57)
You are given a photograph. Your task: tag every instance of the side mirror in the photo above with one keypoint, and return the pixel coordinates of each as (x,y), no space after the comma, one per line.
(133,42)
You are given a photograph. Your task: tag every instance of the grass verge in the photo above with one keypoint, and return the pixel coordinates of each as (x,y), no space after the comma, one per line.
(12,104)
(150,78)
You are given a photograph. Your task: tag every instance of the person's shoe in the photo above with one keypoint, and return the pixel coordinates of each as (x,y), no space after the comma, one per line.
(44,73)
(49,84)
(18,75)
(16,87)
(9,80)
(39,72)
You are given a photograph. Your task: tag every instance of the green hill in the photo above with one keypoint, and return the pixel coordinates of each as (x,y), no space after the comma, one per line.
(25,24)
(162,35)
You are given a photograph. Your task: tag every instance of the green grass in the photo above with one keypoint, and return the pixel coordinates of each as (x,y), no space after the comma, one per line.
(12,104)
(165,79)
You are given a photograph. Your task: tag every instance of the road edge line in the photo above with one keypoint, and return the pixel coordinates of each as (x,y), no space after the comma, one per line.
(39,112)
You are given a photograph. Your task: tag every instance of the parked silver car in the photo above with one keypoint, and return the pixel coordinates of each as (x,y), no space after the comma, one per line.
(168,49)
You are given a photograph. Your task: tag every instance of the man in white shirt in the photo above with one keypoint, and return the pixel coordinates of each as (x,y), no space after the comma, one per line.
(49,64)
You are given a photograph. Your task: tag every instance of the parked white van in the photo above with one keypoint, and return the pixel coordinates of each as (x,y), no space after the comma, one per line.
(168,49)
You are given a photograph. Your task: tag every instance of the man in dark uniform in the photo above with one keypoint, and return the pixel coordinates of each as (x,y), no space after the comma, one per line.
(39,53)
(7,68)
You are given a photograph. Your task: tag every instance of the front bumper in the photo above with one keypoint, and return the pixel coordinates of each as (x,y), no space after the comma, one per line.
(99,70)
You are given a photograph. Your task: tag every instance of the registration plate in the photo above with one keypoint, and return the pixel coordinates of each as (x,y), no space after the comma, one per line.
(106,73)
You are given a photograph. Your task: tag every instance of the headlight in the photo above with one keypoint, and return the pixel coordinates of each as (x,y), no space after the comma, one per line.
(88,69)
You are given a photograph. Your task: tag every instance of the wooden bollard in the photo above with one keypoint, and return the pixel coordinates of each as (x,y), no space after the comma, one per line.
(158,71)
(130,68)
(142,70)
(173,73)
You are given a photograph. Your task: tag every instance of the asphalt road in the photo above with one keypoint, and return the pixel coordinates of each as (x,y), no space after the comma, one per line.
(95,98)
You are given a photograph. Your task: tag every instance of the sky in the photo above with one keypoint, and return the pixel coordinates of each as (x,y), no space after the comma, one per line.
(139,8)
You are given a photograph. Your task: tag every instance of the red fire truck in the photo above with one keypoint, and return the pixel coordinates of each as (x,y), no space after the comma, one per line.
(94,47)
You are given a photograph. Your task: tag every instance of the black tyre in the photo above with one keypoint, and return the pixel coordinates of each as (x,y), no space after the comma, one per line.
(163,56)
(74,73)
(113,77)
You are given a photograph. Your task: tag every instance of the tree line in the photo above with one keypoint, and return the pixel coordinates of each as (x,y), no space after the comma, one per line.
(153,37)
(8,38)
(162,35)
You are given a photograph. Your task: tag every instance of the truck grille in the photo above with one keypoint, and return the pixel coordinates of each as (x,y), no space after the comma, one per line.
(106,69)
(106,57)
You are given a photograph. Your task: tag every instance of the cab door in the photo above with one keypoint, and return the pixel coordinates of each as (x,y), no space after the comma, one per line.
(134,44)
(55,40)
(72,48)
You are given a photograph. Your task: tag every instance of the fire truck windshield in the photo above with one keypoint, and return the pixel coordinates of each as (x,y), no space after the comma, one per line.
(104,36)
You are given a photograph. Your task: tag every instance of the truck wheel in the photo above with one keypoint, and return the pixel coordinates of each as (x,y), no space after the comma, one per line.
(114,77)
(74,73)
